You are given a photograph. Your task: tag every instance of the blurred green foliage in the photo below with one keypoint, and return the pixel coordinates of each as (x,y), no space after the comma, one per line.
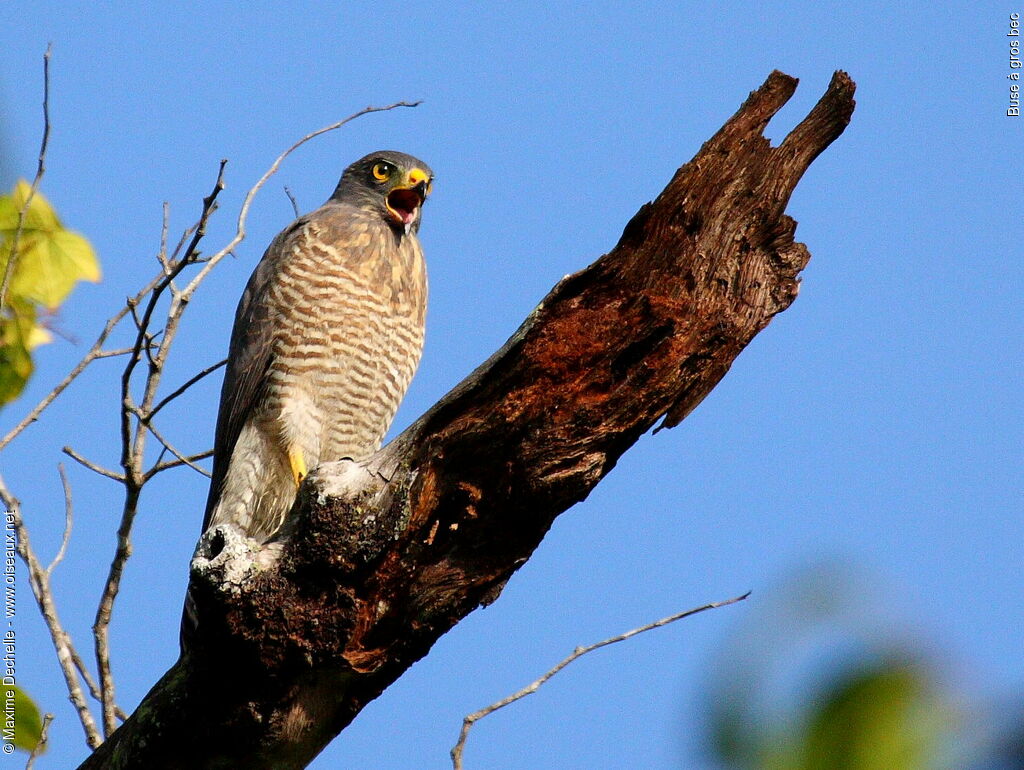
(878,717)
(50,260)
(28,724)
(822,676)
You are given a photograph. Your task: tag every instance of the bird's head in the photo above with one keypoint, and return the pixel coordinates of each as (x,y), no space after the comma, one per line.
(391,183)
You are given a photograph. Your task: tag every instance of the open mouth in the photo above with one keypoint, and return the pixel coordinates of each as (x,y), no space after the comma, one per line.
(404,203)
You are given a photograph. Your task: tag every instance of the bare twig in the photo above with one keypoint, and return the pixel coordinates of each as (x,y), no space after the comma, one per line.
(161,466)
(40,170)
(41,743)
(101,640)
(113,353)
(49,322)
(143,323)
(295,204)
(132,450)
(69,518)
(161,255)
(94,689)
(182,241)
(148,339)
(471,719)
(39,581)
(92,466)
(182,459)
(188,384)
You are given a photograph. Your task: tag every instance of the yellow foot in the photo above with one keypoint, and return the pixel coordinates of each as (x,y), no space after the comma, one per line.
(298,464)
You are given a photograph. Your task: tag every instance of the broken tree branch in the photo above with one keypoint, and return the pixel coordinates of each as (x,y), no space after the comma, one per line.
(379,559)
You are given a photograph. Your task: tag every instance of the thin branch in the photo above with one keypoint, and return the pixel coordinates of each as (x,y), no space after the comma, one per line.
(148,340)
(160,467)
(40,583)
(92,466)
(181,243)
(69,518)
(188,384)
(295,205)
(113,353)
(94,690)
(90,683)
(198,232)
(101,624)
(40,170)
(161,255)
(41,743)
(579,652)
(50,322)
(182,459)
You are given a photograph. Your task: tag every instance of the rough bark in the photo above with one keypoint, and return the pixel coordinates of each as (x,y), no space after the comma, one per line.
(383,558)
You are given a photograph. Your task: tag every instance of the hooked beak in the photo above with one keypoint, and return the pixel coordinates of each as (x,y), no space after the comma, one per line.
(405,200)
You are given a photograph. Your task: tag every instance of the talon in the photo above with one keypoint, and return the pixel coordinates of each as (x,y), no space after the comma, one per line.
(298,465)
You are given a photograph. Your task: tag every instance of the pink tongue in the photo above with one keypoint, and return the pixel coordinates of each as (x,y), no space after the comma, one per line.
(404,203)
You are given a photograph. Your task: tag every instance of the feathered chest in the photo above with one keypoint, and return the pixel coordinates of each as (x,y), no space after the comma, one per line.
(350,300)
(351,279)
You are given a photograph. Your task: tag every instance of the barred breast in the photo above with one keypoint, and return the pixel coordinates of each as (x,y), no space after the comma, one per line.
(348,302)
(351,338)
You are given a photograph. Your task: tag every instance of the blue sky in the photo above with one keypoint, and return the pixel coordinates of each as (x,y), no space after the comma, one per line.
(876,422)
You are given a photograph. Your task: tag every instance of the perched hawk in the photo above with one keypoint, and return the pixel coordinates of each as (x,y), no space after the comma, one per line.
(326,339)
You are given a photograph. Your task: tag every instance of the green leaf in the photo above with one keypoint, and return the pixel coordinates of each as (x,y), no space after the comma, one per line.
(50,261)
(17,329)
(8,215)
(877,717)
(39,217)
(50,264)
(28,724)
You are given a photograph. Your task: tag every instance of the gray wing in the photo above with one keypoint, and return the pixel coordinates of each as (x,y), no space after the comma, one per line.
(249,355)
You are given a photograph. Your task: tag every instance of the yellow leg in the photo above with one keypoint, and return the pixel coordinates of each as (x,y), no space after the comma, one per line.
(298,464)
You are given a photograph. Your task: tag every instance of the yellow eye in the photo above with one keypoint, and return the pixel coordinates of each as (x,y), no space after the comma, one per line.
(382,171)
